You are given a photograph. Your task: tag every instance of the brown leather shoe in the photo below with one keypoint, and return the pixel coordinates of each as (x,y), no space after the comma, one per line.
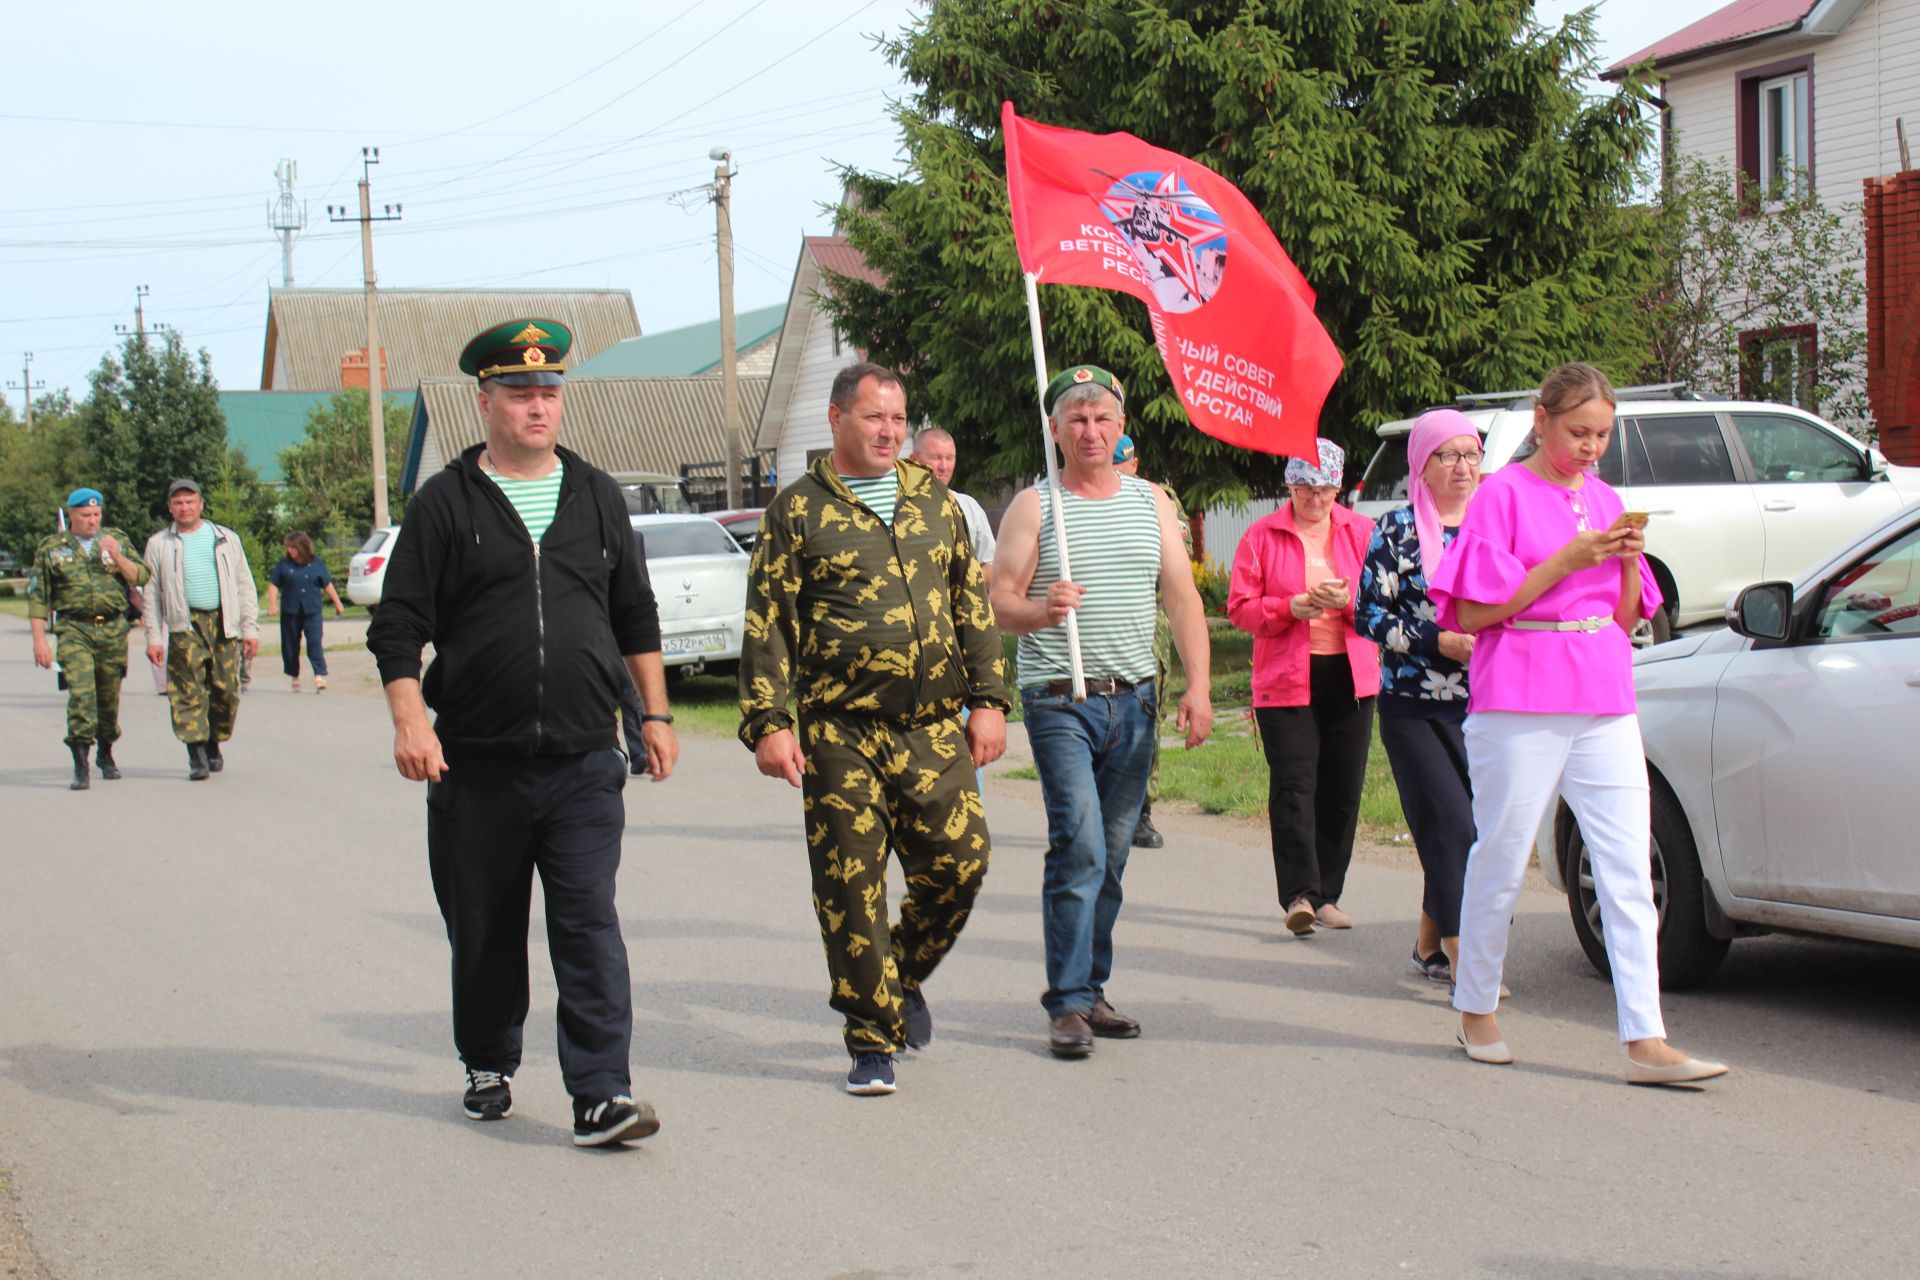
(1070,1036)
(1108,1021)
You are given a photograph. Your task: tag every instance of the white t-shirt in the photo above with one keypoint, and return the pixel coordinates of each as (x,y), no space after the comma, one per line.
(979,529)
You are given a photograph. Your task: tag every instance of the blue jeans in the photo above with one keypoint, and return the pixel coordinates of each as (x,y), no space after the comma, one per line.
(1093,760)
(293,628)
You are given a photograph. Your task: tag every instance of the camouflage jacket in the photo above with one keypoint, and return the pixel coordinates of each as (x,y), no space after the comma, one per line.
(845,614)
(67,579)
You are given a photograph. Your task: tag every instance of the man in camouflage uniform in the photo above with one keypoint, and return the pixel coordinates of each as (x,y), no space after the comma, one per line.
(1127,462)
(203,598)
(867,608)
(83,575)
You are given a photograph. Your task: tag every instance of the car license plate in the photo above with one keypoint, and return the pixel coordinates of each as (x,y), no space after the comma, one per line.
(698,642)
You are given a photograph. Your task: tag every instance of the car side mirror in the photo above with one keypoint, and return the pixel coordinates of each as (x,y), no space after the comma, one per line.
(1763,611)
(1876,465)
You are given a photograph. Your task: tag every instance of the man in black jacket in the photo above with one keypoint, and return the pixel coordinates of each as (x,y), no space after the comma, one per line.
(518,564)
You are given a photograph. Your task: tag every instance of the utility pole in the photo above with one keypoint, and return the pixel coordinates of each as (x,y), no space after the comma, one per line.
(140,292)
(27,386)
(722,192)
(376,425)
(287,217)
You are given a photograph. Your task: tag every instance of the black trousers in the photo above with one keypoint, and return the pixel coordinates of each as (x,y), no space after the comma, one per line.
(492,821)
(1429,759)
(1316,763)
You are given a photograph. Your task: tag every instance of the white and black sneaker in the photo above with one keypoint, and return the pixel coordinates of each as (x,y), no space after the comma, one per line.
(871,1075)
(489,1095)
(618,1119)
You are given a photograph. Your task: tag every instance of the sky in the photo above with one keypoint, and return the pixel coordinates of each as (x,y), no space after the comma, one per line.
(527,147)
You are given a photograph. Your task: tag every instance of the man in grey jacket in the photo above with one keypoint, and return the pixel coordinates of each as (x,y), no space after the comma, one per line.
(202,593)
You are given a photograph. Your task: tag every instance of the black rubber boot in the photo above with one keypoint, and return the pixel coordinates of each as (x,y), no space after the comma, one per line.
(103,755)
(80,779)
(197,767)
(214,760)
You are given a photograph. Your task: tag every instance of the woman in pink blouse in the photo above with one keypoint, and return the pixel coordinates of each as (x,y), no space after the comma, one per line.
(1547,575)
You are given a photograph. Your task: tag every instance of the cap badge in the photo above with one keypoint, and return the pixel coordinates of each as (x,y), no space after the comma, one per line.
(534,355)
(1083,374)
(532,333)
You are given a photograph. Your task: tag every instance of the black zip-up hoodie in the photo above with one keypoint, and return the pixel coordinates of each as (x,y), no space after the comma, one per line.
(526,638)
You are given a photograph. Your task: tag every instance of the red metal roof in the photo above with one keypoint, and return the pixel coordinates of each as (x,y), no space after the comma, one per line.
(835,255)
(1741,20)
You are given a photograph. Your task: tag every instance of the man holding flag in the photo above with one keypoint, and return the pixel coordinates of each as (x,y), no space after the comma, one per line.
(1093,756)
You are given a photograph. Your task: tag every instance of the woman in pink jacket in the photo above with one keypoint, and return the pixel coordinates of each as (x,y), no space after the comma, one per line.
(1314,682)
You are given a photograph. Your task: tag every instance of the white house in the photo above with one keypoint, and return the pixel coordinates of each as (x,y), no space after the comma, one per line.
(794,421)
(1771,86)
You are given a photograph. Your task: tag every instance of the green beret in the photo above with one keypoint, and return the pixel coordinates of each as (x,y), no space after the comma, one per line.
(1083,373)
(519,353)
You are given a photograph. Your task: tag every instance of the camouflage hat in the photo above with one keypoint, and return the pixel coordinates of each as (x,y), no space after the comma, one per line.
(1079,374)
(519,353)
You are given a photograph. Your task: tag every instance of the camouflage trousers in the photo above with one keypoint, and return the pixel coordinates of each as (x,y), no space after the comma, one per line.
(203,679)
(870,786)
(93,658)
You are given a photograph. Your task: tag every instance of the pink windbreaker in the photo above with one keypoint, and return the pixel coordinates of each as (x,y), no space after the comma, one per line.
(1268,571)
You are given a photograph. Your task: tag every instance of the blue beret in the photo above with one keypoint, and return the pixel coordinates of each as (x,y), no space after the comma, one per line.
(1123,449)
(84,498)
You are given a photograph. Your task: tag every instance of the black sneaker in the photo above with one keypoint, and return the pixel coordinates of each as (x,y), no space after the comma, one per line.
(918,1017)
(871,1075)
(1433,968)
(489,1095)
(1146,835)
(618,1119)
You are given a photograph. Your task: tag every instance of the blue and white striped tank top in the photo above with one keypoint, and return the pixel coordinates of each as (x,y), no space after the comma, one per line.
(1113,545)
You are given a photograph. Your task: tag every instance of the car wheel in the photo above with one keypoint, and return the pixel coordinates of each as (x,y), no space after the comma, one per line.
(1688,952)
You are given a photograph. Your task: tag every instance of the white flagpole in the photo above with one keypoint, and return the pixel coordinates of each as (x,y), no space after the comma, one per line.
(1053,481)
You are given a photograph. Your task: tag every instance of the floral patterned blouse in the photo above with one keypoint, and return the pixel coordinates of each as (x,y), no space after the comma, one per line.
(1393,609)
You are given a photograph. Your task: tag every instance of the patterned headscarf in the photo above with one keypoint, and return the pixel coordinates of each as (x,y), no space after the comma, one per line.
(1332,459)
(1431,430)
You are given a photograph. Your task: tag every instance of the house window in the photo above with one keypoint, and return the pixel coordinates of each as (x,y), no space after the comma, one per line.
(1774,127)
(1778,365)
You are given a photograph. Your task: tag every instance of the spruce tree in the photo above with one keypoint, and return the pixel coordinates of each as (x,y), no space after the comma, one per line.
(1432,166)
(152,415)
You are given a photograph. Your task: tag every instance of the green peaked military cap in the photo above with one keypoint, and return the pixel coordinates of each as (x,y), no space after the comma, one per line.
(528,352)
(1079,374)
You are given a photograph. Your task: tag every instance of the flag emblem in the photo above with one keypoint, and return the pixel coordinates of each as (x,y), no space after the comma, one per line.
(1176,237)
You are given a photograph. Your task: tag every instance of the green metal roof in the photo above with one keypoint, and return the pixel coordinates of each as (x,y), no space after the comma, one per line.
(681,352)
(262,423)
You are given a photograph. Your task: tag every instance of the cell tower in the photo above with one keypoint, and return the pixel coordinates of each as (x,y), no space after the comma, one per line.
(288,217)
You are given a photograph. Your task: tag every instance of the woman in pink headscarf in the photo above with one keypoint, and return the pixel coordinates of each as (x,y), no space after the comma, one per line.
(1423,672)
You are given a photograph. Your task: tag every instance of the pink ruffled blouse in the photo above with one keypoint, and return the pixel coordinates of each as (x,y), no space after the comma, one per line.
(1516,521)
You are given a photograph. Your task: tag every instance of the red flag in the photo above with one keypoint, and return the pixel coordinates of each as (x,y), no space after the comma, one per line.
(1232,315)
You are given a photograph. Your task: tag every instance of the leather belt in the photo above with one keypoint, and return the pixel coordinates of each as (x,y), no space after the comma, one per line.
(1106,686)
(1562,624)
(95,618)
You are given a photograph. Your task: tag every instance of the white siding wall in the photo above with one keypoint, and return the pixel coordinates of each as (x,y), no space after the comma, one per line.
(1863,79)
(1227,525)
(804,424)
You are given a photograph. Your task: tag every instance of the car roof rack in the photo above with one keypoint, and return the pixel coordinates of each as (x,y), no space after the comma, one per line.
(1520,400)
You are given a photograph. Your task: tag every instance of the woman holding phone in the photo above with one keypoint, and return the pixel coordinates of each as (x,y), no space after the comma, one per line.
(1314,682)
(1547,575)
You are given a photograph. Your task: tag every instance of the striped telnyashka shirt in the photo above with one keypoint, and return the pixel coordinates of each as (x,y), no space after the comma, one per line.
(534,500)
(880,493)
(1113,545)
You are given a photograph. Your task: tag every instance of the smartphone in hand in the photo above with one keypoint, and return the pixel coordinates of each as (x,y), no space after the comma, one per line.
(1631,519)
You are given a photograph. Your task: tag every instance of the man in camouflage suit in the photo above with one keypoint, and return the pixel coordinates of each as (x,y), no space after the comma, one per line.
(203,598)
(1127,462)
(83,575)
(867,608)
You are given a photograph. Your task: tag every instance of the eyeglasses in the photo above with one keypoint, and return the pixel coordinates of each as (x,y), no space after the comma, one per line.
(1453,458)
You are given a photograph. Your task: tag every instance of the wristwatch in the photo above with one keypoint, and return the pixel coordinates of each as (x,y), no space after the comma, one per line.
(646,716)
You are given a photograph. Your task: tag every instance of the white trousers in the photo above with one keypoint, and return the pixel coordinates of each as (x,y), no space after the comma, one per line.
(1518,761)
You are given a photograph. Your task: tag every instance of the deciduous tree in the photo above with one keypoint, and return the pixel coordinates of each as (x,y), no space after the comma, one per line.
(152,415)
(329,474)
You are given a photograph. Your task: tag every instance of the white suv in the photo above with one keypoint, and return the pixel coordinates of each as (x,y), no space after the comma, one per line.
(1739,492)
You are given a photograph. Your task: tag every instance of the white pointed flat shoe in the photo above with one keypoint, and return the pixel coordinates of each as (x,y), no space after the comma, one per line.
(1687,1071)
(1496,1054)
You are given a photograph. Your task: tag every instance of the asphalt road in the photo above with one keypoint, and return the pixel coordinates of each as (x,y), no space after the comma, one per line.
(224,1051)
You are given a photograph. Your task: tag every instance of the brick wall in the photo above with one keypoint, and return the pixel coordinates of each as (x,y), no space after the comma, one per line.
(353,369)
(1893,312)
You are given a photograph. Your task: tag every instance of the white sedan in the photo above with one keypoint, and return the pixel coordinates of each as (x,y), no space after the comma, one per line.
(699,576)
(1781,753)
